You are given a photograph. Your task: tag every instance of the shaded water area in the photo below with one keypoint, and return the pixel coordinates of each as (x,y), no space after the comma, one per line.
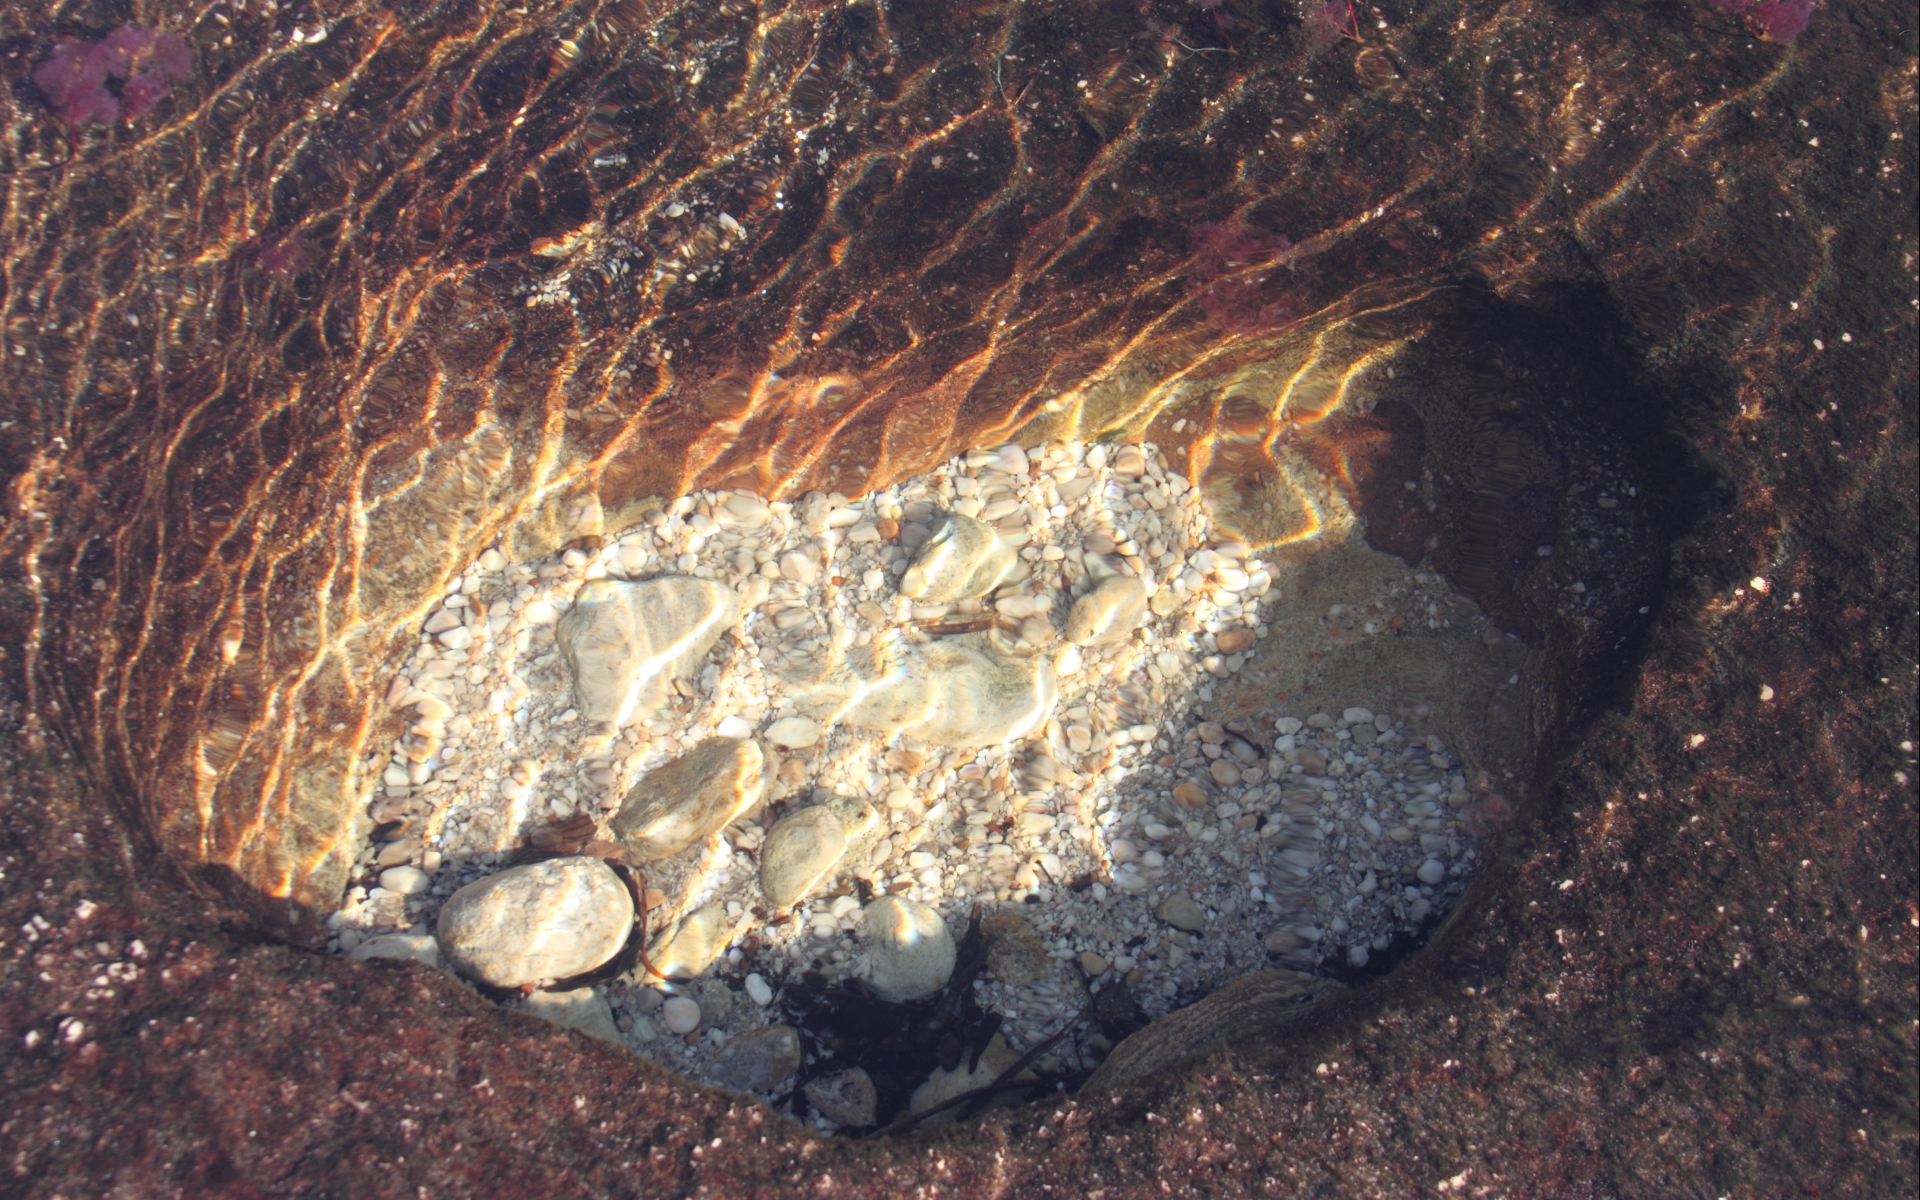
(1602,316)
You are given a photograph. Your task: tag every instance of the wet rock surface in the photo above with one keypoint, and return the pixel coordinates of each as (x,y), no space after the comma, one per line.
(550,920)
(1707,913)
(960,691)
(674,806)
(625,643)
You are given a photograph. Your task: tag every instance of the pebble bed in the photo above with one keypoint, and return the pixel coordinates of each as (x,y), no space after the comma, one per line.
(1124,832)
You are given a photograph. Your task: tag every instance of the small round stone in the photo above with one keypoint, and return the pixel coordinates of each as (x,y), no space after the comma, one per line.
(680,1014)
(1180,911)
(408,881)
(1431,872)
(794,733)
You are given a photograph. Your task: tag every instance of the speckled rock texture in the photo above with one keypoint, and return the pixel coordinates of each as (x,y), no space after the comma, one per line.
(233,447)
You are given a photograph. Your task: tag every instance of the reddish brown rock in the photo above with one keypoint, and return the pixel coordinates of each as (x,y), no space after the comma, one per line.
(1685,969)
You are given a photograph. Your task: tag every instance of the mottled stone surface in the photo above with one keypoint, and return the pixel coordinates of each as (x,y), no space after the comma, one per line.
(956,691)
(963,558)
(1108,613)
(625,643)
(910,952)
(543,921)
(760,1061)
(675,805)
(805,847)
(1689,965)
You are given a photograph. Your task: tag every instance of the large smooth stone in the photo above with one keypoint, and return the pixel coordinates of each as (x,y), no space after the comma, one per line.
(759,1061)
(582,1008)
(548,920)
(804,848)
(1108,613)
(686,949)
(625,643)
(673,806)
(963,558)
(956,691)
(911,952)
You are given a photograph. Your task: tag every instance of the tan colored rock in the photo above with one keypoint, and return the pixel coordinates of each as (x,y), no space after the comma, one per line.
(955,691)
(1233,641)
(1108,613)
(759,1061)
(625,643)
(964,558)
(548,920)
(794,733)
(1182,912)
(805,848)
(687,948)
(583,1009)
(701,792)
(1190,794)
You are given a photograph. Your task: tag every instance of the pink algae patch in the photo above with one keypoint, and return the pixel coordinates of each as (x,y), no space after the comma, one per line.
(1772,20)
(1231,265)
(74,79)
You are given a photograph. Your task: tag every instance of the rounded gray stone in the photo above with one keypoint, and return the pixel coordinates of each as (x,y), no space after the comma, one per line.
(549,920)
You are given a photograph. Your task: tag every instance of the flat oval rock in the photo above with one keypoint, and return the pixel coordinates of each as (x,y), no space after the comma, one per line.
(759,1061)
(1108,613)
(955,691)
(690,946)
(673,806)
(582,1008)
(625,643)
(911,953)
(805,847)
(1182,912)
(964,558)
(548,920)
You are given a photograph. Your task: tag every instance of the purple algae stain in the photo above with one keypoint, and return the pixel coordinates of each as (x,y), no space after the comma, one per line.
(1772,20)
(148,61)
(1230,270)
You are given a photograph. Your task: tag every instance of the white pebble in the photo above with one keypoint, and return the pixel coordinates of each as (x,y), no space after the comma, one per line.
(681,1015)
(407,881)
(760,990)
